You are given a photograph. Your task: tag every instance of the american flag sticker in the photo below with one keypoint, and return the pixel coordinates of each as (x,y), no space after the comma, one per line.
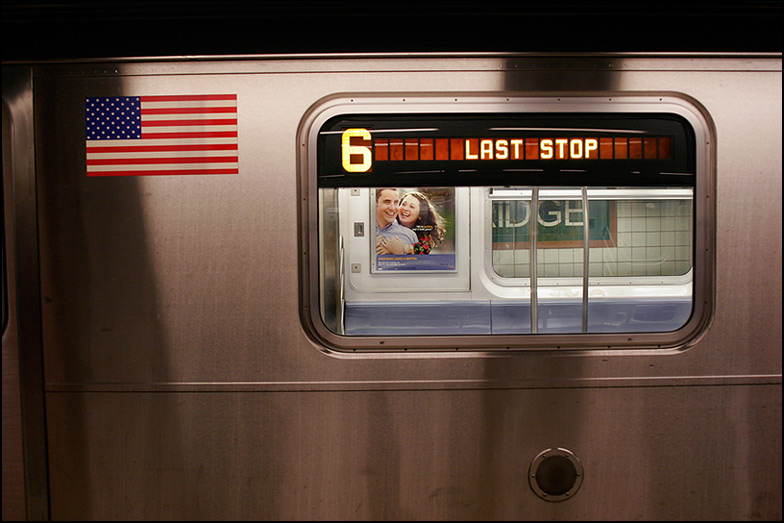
(161,135)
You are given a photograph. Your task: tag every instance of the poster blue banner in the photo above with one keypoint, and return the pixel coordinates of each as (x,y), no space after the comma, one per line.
(414,262)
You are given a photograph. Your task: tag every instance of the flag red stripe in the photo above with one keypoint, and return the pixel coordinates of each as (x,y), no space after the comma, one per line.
(188,97)
(145,161)
(163,172)
(189,110)
(212,134)
(183,123)
(163,148)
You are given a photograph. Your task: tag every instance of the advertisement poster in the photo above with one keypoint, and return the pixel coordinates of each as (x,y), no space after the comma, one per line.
(414,229)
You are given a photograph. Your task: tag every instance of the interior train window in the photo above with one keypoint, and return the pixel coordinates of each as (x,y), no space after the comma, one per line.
(488,223)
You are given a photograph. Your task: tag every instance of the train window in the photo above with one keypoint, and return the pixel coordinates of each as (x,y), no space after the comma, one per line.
(417,223)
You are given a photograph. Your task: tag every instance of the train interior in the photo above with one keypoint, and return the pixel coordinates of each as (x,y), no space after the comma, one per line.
(638,278)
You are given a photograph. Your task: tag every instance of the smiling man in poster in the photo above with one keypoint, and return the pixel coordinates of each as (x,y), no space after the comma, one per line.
(387,209)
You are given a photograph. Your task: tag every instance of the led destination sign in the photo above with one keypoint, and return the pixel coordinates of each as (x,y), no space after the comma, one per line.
(359,150)
(505,149)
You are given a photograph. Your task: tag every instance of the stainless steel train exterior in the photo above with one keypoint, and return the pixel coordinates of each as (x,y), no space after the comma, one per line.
(160,359)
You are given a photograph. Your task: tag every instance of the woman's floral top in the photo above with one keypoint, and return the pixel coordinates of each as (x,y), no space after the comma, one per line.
(423,246)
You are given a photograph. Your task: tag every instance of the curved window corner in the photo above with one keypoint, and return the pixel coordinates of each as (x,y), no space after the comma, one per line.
(576,224)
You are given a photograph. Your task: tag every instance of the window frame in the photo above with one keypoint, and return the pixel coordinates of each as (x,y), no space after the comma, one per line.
(608,103)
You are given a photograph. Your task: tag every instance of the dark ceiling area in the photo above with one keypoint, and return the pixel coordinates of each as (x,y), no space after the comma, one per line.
(38,30)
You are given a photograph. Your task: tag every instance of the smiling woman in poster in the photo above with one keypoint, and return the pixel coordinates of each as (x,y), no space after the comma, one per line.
(419,214)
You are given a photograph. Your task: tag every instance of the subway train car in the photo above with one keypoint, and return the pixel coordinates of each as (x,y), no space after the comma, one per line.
(393,285)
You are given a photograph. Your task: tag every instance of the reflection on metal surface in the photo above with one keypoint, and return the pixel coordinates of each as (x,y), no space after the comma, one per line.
(18,130)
